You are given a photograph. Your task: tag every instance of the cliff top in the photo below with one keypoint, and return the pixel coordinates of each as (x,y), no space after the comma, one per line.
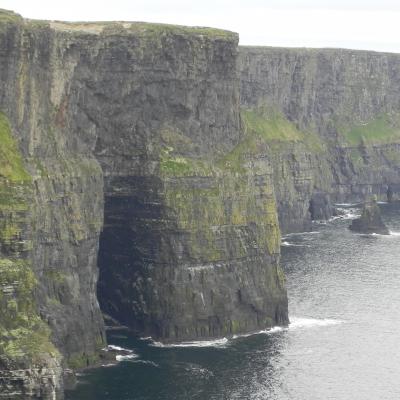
(123,27)
(310,50)
(9,16)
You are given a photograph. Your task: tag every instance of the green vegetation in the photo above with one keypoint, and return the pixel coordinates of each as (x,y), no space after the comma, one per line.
(9,16)
(23,335)
(57,277)
(281,276)
(228,198)
(235,160)
(158,29)
(12,197)
(83,360)
(381,130)
(11,165)
(270,128)
(178,166)
(265,132)
(274,129)
(144,29)
(79,361)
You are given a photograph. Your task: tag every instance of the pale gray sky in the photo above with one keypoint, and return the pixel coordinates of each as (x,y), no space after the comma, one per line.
(360,24)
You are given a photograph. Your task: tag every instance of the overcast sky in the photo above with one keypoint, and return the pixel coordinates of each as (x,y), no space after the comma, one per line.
(360,24)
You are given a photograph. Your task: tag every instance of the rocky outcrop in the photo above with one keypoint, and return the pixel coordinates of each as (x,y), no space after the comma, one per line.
(345,105)
(370,220)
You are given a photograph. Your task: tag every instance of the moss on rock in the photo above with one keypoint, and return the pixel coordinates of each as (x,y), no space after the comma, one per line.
(383,129)
(24,336)
(11,164)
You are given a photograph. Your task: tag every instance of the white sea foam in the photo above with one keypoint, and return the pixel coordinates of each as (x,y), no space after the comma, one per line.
(127,354)
(391,234)
(126,357)
(262,332)
(112,347)
(288,244)
(146,362)
(295,323)
(199,343)
(347,213)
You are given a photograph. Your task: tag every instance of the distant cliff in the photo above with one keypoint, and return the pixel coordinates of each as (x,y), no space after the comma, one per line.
(345,107)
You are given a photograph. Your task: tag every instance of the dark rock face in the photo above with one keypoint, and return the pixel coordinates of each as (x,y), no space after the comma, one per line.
(320,207)
(370,220)
(190,241)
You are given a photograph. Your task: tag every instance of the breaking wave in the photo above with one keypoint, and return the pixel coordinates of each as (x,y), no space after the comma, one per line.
(295,323)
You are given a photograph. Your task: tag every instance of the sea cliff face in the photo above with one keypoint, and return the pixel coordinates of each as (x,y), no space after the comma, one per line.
(51,216)
(191,243)
(138,124)
(346,104)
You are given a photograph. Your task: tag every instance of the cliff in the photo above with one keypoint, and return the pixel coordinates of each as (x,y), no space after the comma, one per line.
(345,104)
(150,168)
(133,131)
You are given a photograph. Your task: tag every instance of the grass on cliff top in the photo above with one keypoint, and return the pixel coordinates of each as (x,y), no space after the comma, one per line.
(382,130)
(11,165)
(9,16)
(142,28)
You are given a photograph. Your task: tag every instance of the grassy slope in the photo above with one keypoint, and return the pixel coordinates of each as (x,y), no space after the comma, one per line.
(381,130)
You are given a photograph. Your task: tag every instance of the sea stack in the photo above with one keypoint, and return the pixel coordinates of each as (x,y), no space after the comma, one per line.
(370,220)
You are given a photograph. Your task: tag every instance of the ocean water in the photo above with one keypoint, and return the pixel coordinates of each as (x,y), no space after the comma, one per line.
(343,342)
